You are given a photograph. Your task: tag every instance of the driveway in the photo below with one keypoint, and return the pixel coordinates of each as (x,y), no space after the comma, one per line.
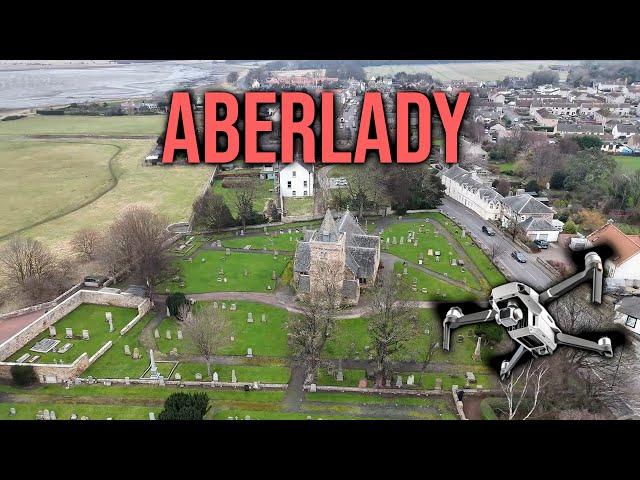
(528,273)
(10,326)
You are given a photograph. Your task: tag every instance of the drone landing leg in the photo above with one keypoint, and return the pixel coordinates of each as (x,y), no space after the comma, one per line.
(507,366)
(456,319)
(592,272)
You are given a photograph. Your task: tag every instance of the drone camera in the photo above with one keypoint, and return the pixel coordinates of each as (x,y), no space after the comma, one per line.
(605,342)
(510,315)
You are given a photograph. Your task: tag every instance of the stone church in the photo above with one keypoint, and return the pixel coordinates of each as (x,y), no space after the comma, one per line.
(341,247)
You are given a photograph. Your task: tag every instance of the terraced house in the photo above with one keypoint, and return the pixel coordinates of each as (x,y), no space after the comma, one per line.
(341,249)
(465,187)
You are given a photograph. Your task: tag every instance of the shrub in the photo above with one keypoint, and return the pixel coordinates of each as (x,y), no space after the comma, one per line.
(491,332)
(185,406)
(23,375)
(175,301)
(570,227)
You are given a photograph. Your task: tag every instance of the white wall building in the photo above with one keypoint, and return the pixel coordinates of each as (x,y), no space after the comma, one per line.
(296,180)
(623,268)
(464,187)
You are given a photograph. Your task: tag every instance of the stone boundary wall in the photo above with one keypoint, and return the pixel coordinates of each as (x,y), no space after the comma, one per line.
(24,311)
(69,371)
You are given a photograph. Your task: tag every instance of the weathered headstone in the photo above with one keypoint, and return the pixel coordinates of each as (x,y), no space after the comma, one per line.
(401,240)
(12,411)
(234,379)
(250,317)
(470,377)
(85,334)
(111,325)
(198,376)
(154,367)
(127,381)
(312,388)
(152,416)
(340,376)
(179,334)
(227,251)
(136,353)
(127,350)
(399,381)
(264,317)
(224,306)
(438,385)
(233,307)
(410,379)
(177,376)
(156,333)
(249,352)
(68,333)
(168,334)
(52,331)
(476,353)
(215,376)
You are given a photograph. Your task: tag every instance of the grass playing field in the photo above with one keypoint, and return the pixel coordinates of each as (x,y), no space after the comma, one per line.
(85,125)
(469,71)
(86,316)
(627,163)
(201,277)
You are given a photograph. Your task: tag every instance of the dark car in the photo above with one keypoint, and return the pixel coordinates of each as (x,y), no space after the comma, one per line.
(543,244)
(519,257)
(488,230)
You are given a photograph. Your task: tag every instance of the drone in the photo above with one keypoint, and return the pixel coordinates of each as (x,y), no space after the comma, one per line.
(520,309)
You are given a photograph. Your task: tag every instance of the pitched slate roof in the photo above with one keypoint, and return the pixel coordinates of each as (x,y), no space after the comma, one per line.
(525,204)
(304,284)
(537,225)
(302,260)
(328,231)
(464,177)
(361,261)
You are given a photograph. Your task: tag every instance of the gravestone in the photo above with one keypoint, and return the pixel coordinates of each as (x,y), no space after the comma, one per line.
(264,317)
(168,312)
(312,388)
(156,333)
(438,385)
(340,376)
(362,383)
(111,326)
(430,252)
(273,275)
(460,338)
(476,353)
(215,376)
(85,334)
(68,333)
(401,240)
(405,271)
(179,334)
(73,417)
(108,317)
(127,381)
(249,352)
(227,252)
(224,280)
(470,377)
(46,415)
(395,241)
(154,367)
(177,376)
(12,411)
(410,380)
(233,307)
(168,334)
(136,353)
(234,379)
(224,306)
(215,305)
(152,416)
(52,331)
(174,352)
(250,317)
(387,383)
(198,377)
(127,350)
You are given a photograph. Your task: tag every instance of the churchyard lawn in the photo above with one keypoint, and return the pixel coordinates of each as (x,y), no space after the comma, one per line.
(202,276)
(436,289)
(274,241)
(85,316)
(263,193)
(244,373)
(268,338)
(28,411)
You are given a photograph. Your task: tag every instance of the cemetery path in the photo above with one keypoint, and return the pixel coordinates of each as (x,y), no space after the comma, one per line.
(294,395)
(284,300)
(146,336)
(392,259)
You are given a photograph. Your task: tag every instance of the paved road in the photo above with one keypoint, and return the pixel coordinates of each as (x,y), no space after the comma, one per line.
(10,326)
(529,273)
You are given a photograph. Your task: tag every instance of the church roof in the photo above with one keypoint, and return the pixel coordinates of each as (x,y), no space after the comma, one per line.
(328,232)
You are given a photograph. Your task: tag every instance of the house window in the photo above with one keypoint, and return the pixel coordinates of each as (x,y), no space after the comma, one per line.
(631,321)
(362,281)
(304,184)
(289,184)
(305,193)
(293,193)
(293,174)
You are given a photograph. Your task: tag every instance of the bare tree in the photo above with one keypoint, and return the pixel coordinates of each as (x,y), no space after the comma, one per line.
(495,250)
(24,259)
(245,193)
(524,384)
(85,242)
(208,329)
(309,331)
(392,324)
(136,241)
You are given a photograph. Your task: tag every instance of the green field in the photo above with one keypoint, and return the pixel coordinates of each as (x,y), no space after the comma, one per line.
(244,373)
(261,196)
(85,125)
(627,163)
(273,241)
(200,277)
(436,289)
(468,71)
(28,411)
(55,177)
(86,316)
(267,338)
(298,206)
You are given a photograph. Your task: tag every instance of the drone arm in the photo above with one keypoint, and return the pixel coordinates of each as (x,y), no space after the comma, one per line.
(602,347)
(507,366)
(592,271)
(455,319)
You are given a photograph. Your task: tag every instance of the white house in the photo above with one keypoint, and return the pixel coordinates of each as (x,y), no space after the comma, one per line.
(624,131)
(296,179)
(464,187)
(623,268)
(533,217)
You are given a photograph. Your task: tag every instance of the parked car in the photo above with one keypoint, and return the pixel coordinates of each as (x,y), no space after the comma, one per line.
(488,230)
(519,257)
(543,244)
